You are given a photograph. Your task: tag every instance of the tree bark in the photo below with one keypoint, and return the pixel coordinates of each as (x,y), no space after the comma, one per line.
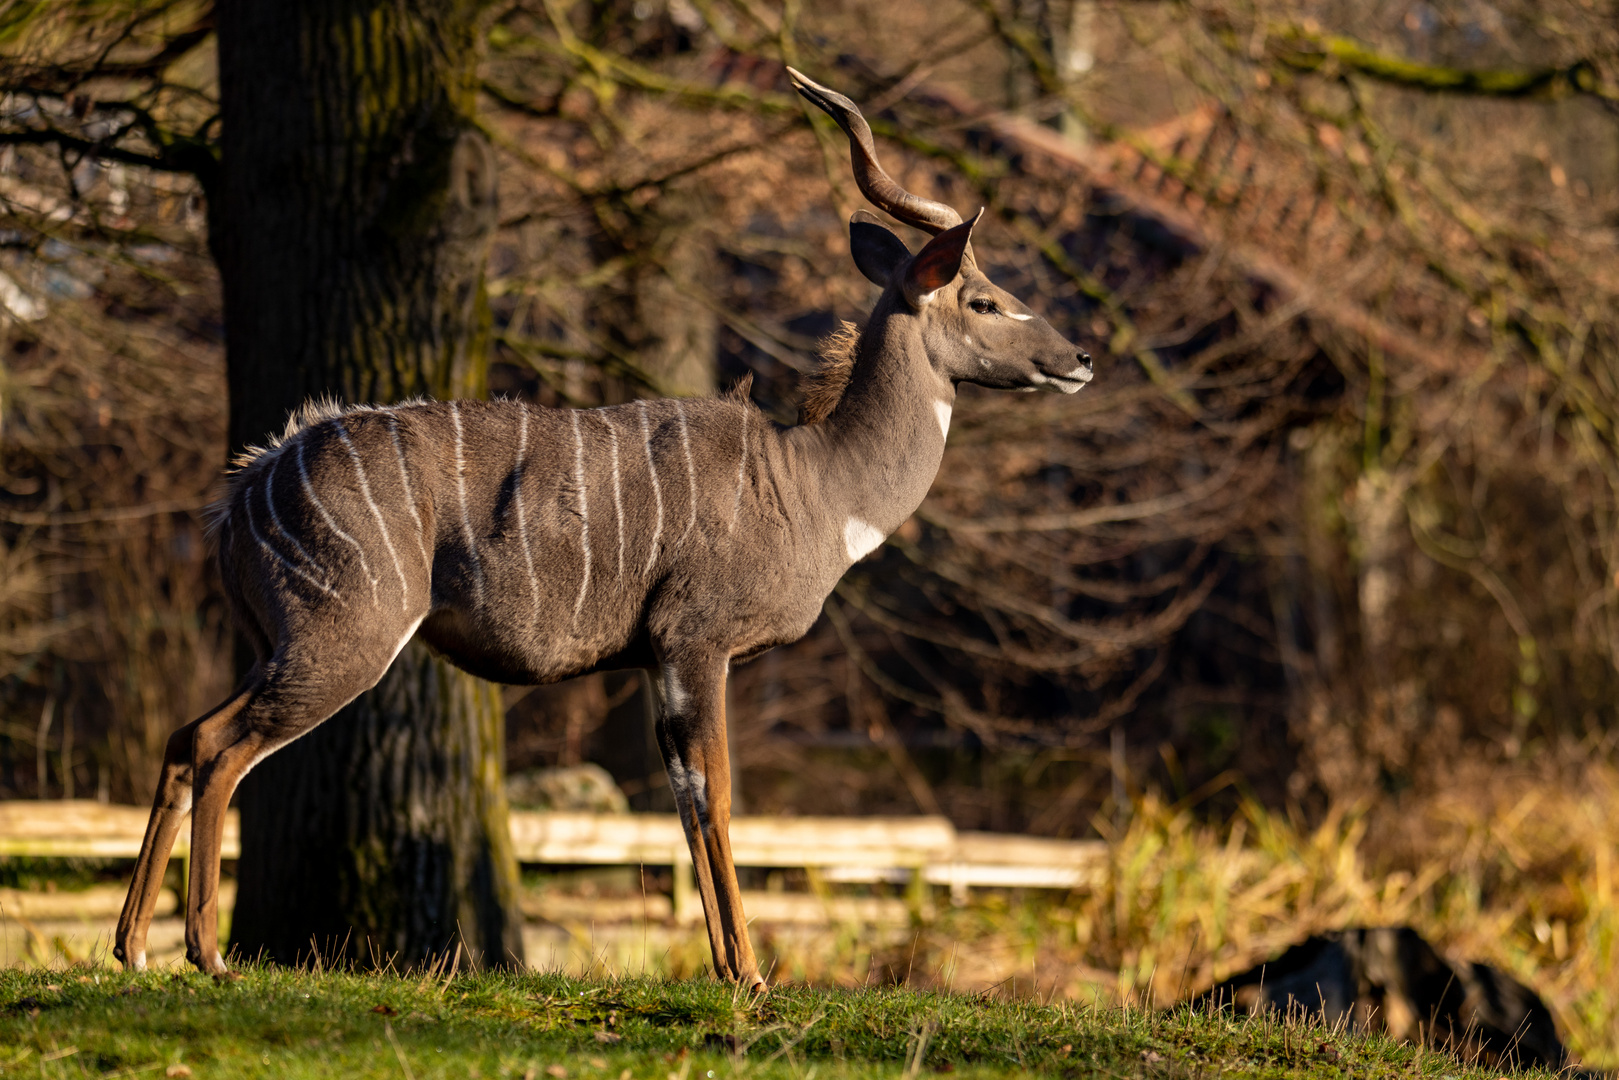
(351,220)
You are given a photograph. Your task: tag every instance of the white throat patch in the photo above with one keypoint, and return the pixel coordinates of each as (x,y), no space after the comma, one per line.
(942,411)
(860,538)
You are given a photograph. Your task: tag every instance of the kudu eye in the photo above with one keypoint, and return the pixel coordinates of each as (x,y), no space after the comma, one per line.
(983,307)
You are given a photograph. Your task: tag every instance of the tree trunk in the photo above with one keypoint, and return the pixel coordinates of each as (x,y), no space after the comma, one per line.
(351,221)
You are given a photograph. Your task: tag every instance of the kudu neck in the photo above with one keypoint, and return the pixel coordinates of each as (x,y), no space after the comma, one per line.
(882,445)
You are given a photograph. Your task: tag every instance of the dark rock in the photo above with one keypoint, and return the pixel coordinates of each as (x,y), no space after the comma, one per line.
(1390,979)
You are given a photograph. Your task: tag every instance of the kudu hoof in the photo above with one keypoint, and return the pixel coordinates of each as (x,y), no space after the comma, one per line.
(209,965)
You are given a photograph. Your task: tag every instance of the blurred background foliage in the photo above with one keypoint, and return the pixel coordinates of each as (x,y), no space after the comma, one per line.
(1329,544)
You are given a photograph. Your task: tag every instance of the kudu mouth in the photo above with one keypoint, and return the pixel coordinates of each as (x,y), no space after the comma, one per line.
(1069,382)
(1065,385)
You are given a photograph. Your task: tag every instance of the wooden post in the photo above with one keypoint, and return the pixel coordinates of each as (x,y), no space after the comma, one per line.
(687,907)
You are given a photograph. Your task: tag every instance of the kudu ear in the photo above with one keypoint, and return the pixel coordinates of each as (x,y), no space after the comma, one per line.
(876,250)
(937,265)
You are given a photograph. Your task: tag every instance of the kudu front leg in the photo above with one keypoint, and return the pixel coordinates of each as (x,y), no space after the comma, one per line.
(691,734)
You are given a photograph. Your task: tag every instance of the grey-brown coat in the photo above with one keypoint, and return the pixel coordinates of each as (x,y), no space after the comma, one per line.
(529,544)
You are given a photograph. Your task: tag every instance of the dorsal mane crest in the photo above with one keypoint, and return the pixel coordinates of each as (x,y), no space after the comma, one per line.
(310,414)
(824,387)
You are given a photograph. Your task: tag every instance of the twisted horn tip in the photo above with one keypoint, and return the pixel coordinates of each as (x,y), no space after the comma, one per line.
(824,98)
(800,81)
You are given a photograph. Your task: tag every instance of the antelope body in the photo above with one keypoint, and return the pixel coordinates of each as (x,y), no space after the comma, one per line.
(529,544)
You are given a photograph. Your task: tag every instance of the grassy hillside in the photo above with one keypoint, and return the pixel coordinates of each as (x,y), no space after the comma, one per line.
(280,1023)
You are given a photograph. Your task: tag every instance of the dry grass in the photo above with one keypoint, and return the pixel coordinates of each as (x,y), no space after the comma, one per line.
(1511,865)
(1508,865)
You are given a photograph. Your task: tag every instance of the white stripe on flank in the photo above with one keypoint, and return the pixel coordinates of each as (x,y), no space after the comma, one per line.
(584,509)
(410,495)
(657,490)
(275,519)
(376,511)
(691,470)
(618,497)
(741,473)
(461,490)
(320,508)
(252,526)
(517,502)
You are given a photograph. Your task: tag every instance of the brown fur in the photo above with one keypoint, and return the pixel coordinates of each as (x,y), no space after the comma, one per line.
(528,545)
(824,387)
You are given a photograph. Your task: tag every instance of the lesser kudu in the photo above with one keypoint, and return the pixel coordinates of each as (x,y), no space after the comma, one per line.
(531,544)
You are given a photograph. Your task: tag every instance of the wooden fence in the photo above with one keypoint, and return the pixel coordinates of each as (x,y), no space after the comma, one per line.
(837,849)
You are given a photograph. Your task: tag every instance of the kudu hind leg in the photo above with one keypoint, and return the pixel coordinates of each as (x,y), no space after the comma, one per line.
(223,750)
(170,805)
(691,735)
(300,693)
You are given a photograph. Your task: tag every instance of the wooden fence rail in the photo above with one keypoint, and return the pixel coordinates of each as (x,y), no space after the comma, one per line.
(836,848)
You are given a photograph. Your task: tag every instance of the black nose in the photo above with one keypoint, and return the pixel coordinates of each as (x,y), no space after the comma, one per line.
(1085,360)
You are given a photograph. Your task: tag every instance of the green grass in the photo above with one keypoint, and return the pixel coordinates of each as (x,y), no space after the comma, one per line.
(275,1022)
